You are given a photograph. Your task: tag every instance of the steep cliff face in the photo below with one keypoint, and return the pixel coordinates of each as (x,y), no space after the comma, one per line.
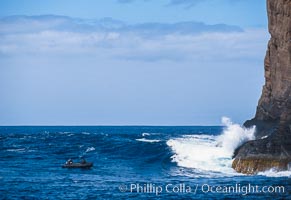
(272,147)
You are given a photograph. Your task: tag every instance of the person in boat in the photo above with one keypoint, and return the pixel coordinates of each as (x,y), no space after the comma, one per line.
(69,162)
(83,161)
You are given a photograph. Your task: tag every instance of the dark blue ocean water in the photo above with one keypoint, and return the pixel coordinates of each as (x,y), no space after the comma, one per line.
(125,158)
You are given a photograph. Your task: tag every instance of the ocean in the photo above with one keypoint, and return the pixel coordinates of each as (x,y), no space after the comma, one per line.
(131,162)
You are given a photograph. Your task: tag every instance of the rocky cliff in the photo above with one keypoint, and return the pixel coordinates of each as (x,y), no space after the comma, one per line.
(272,147)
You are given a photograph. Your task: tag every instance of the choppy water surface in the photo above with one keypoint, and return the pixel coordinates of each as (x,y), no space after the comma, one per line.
(130,163)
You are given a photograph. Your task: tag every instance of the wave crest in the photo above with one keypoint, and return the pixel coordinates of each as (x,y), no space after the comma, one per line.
(209,152)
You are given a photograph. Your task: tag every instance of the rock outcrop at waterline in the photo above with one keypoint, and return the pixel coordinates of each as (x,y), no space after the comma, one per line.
(272,147)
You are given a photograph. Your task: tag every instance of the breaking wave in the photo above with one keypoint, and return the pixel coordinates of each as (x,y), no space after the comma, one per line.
(210,152)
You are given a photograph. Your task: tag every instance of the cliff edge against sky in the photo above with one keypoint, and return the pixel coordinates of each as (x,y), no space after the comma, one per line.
(272,147)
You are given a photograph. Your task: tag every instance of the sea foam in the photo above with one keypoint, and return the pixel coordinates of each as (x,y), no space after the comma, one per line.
(275,173)
(210,152)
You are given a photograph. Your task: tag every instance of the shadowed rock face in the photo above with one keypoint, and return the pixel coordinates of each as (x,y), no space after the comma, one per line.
(272,147)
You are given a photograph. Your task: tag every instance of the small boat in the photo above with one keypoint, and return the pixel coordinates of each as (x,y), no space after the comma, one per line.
(78,165)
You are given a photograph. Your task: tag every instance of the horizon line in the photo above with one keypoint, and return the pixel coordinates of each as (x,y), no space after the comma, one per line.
(107,125)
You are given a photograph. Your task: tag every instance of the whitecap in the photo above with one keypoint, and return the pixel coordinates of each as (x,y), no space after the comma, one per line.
(16,150)
(146,134)
(90,149)
(209,152)
(146,140)
(64,133)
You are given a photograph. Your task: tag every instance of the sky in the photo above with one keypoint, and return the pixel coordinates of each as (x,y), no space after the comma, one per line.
(130,62)
(238,12)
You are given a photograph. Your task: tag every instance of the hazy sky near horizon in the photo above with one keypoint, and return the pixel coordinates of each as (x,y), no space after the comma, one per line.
(130,62)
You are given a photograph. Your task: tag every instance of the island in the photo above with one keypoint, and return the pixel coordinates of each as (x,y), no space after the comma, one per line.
(272,147)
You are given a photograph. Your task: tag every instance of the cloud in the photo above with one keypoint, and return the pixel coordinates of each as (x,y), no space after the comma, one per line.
(113,39)
(59,70)
(50,22)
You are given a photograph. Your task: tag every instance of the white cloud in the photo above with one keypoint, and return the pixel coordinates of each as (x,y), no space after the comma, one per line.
(55,71)
(130,42)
